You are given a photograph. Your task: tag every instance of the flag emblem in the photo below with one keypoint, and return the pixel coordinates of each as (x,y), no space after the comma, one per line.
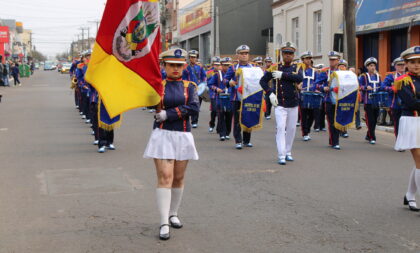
(137,31)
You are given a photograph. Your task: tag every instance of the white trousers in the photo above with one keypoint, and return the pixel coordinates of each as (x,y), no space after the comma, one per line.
(286,120)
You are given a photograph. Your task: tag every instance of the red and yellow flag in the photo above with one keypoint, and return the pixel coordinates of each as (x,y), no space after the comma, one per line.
(124,67)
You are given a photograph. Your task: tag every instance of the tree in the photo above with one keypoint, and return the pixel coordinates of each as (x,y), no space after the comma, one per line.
(38,56)
(350,30)
(63,56)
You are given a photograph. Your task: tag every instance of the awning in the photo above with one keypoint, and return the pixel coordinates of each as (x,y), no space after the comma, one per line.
(375,16)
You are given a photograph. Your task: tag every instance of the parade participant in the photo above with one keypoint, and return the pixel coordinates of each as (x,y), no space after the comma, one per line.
(106,126)
(80,72)
(369,84)
(319,115)
(93,106)
(267,114)
(258,61)
(220,87)
(284,97)
(309,76)
(408,89)
(195,73)
(171,143)
(242,52)
(213,92)
(387,85)
(322,83)
(343,65)
(74,82)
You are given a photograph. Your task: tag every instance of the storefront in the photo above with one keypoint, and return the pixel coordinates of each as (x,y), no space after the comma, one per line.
(386,28)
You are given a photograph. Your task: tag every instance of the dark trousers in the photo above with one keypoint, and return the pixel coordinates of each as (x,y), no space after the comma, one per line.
(94,119)
(307,119)
(16,79)
(319,115)
(268,105)
(237,131)
(85,104)
(213,113)
(396,115)
(194,117)
(333,132)
(224,122)
(106,138)
(371,115)
(358,117)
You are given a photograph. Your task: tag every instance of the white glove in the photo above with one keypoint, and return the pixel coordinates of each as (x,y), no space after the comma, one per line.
(273,99)
(277,74)
(161,116)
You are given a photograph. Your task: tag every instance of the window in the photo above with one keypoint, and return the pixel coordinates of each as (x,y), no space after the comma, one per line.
(318,32)
(295,31)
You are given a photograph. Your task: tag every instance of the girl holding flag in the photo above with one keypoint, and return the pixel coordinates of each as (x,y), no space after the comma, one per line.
(171,143)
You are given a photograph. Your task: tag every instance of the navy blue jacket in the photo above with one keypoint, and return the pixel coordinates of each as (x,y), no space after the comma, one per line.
(364,83)
(409,93)
(180,101)
(286,88)
(231,75)
(387,84)
(194,73)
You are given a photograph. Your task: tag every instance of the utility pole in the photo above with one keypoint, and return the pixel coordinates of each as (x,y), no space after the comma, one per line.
(349,7)
(88,30)
(83,37)
(97,22)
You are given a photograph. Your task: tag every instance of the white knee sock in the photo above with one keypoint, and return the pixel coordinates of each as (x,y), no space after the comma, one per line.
(163,196)
(176,200)
(417,177)
(412,186)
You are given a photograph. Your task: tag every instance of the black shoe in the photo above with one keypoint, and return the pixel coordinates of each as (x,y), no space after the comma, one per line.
(164,237)
(175,225)
(412,208)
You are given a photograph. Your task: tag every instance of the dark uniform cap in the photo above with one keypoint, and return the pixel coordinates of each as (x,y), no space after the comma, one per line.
(242,48)
(334,55)
(411,53)
(371,60)
(175,55)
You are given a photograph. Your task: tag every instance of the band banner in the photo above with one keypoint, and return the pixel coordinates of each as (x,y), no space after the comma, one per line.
(251,114)
(345,87)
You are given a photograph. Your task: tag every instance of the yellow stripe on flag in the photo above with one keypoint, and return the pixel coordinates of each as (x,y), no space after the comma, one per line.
(120,88)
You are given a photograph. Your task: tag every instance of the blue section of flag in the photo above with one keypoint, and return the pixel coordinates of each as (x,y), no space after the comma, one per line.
(251,111)
(105,118)
(346,110)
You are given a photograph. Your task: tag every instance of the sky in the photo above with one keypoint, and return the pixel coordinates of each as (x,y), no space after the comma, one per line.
(54,23)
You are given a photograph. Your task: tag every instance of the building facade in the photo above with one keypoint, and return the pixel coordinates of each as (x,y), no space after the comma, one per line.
(310,24)
(218,27)
(386,28)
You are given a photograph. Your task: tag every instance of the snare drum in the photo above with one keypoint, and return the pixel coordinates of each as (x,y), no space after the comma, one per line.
(203,92)
(380,99)
(311,100)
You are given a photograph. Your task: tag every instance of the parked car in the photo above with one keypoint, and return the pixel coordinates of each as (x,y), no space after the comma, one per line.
(49,65)
(65,68)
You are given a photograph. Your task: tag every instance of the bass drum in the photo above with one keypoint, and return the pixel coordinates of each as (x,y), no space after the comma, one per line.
(203,92)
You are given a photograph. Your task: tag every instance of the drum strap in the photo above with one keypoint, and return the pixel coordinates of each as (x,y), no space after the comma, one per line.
(309,78)
(375,82)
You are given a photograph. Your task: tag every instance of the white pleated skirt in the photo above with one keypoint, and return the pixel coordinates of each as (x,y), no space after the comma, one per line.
(408,133)
(173,145)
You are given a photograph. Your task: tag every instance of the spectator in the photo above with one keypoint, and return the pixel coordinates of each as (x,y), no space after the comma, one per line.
(15,73)
(6,73)
(1,72)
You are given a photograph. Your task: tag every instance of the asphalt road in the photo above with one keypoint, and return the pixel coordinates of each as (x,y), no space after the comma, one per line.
(58,195)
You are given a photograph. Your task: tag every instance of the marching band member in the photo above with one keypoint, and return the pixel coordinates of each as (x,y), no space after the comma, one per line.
(242,52)
(408,89)
(258,62)
(309,77)
(388,85)
(343,65)
(370,83)
(322,83)
(268,63)
(195,73)
(218,84)
(284,97)
(212,92)
(171,143)
(319,114)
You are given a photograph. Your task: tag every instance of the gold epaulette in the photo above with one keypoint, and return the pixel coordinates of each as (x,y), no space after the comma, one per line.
(389,73)
(324,69)
(272,68)
(401,81)
(80,65)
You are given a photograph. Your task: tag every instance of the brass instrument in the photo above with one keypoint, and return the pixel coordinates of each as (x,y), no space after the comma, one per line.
(73,83)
